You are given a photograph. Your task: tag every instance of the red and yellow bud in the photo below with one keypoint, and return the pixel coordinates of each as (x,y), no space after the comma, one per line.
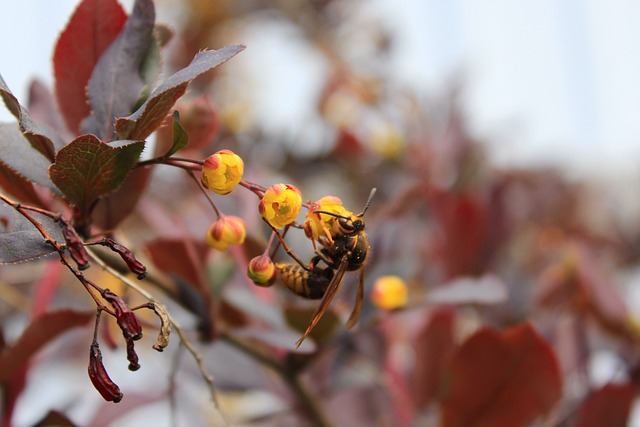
(318,224)
(222,171)
(389,293)
(228,230)
(280,204)
(262,271)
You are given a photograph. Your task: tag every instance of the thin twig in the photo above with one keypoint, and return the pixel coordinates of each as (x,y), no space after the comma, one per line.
(176,326)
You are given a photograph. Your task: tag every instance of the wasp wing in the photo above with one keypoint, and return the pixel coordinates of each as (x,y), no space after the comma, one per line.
(355,314)
(326,299)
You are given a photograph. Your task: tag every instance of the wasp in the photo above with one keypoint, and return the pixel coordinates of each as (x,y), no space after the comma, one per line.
(345,248)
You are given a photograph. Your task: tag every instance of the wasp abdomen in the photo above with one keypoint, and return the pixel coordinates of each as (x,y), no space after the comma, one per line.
(310,284)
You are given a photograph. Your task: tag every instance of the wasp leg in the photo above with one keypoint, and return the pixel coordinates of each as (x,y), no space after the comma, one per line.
(326,299)
(287,249)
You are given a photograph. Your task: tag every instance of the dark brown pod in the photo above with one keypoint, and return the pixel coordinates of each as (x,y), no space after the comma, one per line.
(127,320)
(100,378)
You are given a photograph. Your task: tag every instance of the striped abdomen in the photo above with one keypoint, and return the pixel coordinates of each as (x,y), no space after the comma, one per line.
(309,284)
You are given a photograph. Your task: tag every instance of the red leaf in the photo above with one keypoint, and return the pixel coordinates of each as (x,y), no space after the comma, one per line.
(42,107)
(180,257)
(41,330)
(115,207)
(610,406)
(433,347)
(500,379)
(92,28)
(184,260)
(463,242)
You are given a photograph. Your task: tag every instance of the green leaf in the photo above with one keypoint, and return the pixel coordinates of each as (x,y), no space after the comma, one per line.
(152,113)
(43,139)
(180,136)
(87,168)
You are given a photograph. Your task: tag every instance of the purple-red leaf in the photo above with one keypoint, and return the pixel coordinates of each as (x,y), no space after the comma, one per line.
(92,28)
(609,406)
(116,85)
(500,379)
(114,207)
(43,139)
(20,240)
(87,168)
(43,108)
(433,347)
(152,113)
(18,155)
(41,330)
(18,186)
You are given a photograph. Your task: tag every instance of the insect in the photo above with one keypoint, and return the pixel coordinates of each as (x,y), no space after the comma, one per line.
(345,248)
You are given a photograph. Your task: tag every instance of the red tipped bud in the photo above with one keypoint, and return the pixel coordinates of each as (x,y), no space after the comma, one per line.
(228,230)
(100,378)
(127,320)
(222,171)
(262,271)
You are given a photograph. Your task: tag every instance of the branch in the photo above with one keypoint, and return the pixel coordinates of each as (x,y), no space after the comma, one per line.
(177,327)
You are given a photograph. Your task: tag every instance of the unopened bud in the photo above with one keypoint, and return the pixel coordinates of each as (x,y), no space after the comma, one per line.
(262,271)
(100,378)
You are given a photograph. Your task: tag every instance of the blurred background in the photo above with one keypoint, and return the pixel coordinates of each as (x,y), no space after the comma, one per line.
(540,81)
(503,139)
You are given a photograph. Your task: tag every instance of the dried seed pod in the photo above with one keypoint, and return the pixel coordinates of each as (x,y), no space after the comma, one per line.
(132,356)
(135,266)
(165,326)
(99,376)
(75,246)
(127,320)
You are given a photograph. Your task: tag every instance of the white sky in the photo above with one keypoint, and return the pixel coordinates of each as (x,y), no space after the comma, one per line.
(544,80)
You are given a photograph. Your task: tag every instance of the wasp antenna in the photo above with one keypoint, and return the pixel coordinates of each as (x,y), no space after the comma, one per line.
(366,206)
(331,214)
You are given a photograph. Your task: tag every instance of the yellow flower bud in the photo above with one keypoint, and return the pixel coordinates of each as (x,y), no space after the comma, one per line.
(319,224)
(280,204)
(389,293)
(222,171)
(262,271)
(228,230)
